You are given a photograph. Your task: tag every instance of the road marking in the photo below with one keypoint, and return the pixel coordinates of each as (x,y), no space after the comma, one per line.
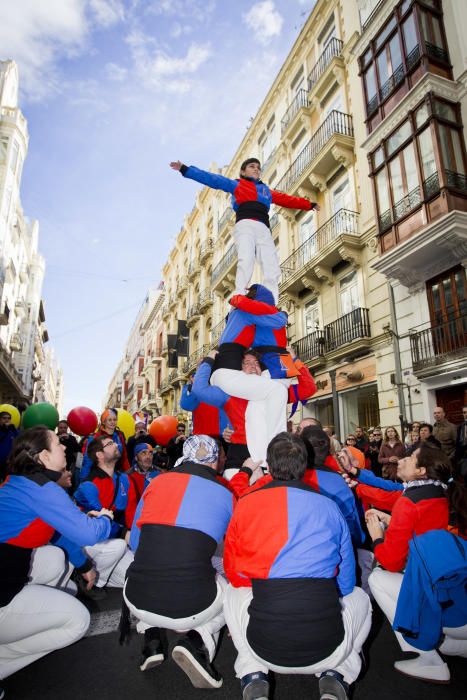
(105,622)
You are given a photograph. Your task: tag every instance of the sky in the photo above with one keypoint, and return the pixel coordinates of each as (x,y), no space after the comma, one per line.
(113,90)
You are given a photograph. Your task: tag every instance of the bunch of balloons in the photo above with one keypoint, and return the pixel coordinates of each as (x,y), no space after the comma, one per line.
(40,414)
(163,428)
(82,420)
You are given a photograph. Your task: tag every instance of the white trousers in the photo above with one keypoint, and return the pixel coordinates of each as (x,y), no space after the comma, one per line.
(40,618)
(254,242)
(208,623)
(385,587)
(111,559)
(356,616)
(265,415)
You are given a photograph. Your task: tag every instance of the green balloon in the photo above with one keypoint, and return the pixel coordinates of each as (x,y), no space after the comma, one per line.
(40,414)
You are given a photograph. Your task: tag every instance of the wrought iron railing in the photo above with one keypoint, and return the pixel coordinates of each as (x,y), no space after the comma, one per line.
(225,218)
(456,180)
(269,160)
(205,249)
(205,298)
(431,186)
(344,221)
(333,49)
(352,326)
(367,19)
(193,311)
(224,264)
(436,52)
(391,83)
(195,357)
(300,100)
(335,123)
(412,58)
(440,344)
(407,203)
(216,332)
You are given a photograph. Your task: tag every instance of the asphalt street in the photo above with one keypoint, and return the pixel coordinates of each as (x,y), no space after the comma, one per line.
(98,668)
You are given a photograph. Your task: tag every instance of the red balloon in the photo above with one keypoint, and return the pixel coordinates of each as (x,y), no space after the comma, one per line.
(163,428)
(82,420)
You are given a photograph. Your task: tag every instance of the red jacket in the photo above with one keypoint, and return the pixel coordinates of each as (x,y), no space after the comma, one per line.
(418,510)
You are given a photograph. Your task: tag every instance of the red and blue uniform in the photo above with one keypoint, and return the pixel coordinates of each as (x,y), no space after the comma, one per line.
(116,493)
(207,419)
(119,438)
(184,515)
(32,508)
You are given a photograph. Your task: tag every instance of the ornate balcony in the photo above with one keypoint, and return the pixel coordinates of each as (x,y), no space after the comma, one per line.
(164,387)
(328,69)
(192,361)
(227,217)
(332,144)
(20,308)
(296,115)
(193,269)
(222,276)
(205,300)
(165,311)
(347,333)
(216,333)
(16,342)
(206,250)
(337,239)
(182,286)
(439,348)
(193,314)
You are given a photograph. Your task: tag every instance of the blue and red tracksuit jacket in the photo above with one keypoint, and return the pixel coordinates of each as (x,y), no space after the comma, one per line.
(118,437)
(32,509)
(251,199)
(293,547)
(207,419)
(116,493)
(184,515)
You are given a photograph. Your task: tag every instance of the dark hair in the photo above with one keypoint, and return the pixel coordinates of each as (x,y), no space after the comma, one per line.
(62,420)
(251,351)
(248,161)
(96,445)
(23,456)
(181,425)
(252,292)
(315,438)
(390,427)
(438,466)
(427,425)
(286,457)
(5,413)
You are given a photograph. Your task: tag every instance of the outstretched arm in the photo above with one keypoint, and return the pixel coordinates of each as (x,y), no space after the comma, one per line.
(204,177)
(289,202)
(252,306)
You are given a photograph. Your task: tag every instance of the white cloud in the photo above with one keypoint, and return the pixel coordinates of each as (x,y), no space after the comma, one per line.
(115,72)
(264,20)
(198,10)
(178,30)
(107,12)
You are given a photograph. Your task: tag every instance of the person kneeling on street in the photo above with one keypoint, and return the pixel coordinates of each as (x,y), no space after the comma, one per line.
(292,605)
(172,584)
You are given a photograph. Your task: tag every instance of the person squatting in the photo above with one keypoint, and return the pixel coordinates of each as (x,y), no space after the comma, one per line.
(280,548)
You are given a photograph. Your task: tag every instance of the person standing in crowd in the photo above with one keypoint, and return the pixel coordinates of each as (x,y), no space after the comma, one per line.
(35,617)
(70,443)
(108,427)
(391,451)
(445,432)
(374,446)
(461,446)
(8,433)
(292,605)
(361,440)
(334,444)
(425,435)
(141,436)
(413,434)
(106,487)
(251,200)
(351,440)
(172,583)
(175,445)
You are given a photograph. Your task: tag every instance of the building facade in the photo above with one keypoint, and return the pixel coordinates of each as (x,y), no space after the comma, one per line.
(22,268)
(412,59)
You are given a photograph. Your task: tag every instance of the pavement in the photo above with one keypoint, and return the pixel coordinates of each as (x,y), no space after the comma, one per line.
(98,668)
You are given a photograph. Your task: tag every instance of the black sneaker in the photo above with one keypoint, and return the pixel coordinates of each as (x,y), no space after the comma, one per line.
(332,686)
(93,593)
(192,656)
(152,655)
(255,686)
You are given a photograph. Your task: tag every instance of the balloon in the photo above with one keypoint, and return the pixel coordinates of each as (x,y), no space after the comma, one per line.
(125,423)
(40,414)
(82,420)
(163,428)
(14,413)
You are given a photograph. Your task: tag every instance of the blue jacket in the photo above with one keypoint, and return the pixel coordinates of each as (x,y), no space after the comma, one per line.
(207,419)
(433,593)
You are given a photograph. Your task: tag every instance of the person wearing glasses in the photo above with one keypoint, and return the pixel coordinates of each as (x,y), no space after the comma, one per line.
(108,427)
(350,440)
(175,445)
(251,200)
(35,616)
(106,487)
(376,440)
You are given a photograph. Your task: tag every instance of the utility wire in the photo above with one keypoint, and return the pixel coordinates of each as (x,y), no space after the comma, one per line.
(58,269)
(97,320)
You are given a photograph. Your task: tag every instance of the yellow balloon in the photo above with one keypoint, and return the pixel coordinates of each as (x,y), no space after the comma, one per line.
(14,413)
(125,423)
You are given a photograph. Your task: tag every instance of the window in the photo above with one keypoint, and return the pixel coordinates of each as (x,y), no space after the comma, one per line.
(425,143)
(311,317)
(307,226)
(348,293)
(268,141)
(398,137)
(3,148)
(451,149)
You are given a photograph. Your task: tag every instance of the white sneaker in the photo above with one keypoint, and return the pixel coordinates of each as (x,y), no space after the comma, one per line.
(454,647)
(415,668)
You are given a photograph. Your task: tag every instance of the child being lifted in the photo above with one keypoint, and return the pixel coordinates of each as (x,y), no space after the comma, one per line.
(251,200)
